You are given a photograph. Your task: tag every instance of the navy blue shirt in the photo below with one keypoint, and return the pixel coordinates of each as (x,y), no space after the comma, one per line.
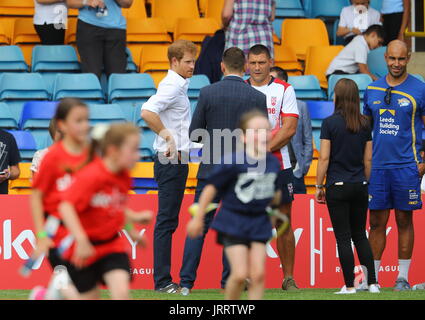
(346,162)
(246,189)
(9,156)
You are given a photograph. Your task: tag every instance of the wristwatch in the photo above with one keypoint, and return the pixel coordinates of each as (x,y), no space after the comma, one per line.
(320,186)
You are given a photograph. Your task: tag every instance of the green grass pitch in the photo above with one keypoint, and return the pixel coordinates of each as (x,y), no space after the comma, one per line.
(270,294)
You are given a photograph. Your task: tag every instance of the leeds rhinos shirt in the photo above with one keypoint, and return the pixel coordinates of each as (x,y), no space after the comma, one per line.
(397,127)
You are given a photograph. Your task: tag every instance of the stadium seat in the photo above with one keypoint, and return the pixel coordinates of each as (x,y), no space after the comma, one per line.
(318,60)
(307,87)
(146,144)
(331,9)
(8,24)
(154,61)
(18,88)
(17,8)
(289,8)
(4,37)
(319,110)
(376,62)
(12,59)
(376,4)
(137,10)
(130,91)
(196,29)
(26,144)
(310,178)
(25,36)
(85,86)
(143,177)
(22,185)
(131,65)
(71,32)
(202,4)
(335,39)
(213,9)
(303,33)
(6,118)
(197,82)
(285,57)
(420,77)
(105,113)
(37,114)
(143,33)
(362,81)
(170,11)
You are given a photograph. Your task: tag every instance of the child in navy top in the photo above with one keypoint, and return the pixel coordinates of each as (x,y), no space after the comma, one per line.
(246,183)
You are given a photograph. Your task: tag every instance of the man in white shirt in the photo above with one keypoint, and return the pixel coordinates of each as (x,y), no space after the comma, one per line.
(355,19)
(353,58)
(167,113)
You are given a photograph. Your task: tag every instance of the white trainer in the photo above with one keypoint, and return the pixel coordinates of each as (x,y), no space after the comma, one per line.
(344,290)
(374,288)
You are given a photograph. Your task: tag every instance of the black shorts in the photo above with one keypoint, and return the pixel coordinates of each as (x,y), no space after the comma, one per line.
(89,277)
(55,259)
(285,183)
(227,240)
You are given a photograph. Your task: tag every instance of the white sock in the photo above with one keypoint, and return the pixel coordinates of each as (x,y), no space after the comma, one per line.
(364,269)
(403,265)
(377,265)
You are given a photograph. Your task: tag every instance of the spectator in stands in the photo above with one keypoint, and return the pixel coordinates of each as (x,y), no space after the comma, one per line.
(301,146)
(219,107)
(38,156)
(345,159)
(248,22)
(395,16)
(101,35)
(396,106)
(353,58)
(355,19)
(50,21)
(9,160)
(167,113)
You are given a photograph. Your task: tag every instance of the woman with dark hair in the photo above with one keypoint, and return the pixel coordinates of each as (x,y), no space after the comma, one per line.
(345,160)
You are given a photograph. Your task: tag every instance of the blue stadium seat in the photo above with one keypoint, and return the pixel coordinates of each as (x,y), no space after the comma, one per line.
(376,62)
(42,138)
(197,82)
(146,144)
(289,8)
(376,4)
(362,81)
(26,144)
(37,114)
(105,113)
(193,105)
(335,39)
(277,27)
(307,87)
(319,110)
(12,59)
(6,118)
(85,86)
(420,77)
(130,91)
(332,8)
(131,66)
(18,88)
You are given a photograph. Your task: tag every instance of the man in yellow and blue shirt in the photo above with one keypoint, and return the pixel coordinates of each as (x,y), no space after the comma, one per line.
(396,106)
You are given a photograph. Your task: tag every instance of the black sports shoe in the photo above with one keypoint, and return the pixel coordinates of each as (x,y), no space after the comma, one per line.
(171,288)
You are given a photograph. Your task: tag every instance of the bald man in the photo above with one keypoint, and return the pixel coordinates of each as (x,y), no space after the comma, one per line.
(395,105)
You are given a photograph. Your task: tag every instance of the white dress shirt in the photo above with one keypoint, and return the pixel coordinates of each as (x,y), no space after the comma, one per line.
(54,13)
(172,105)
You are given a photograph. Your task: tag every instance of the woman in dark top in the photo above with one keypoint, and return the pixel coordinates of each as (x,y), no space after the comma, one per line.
(345,159)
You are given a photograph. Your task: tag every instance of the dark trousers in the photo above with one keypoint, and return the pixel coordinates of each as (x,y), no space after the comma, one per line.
(101,49)
(347,205)
(299,185)
(193,248)
(171,179)
(392,24)
(50,34)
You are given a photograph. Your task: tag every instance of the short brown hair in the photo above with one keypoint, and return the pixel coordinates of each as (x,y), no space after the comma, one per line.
(179,47)
(234,59)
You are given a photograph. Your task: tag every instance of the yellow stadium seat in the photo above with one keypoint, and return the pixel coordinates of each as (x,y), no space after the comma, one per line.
(170,11)
(318,60)
(195,30)
(4,38)
(202,4)
(73,12)
(213,9)
(310,178)
(8,24)
(71,31)
(154,60)
(137,10)
(285,57)
(142,170)
(22,185)
(303,33)
(17,8)
(25,36)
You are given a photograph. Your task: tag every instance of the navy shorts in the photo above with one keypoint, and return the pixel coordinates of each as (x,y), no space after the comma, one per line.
(285,183)
(395,189)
